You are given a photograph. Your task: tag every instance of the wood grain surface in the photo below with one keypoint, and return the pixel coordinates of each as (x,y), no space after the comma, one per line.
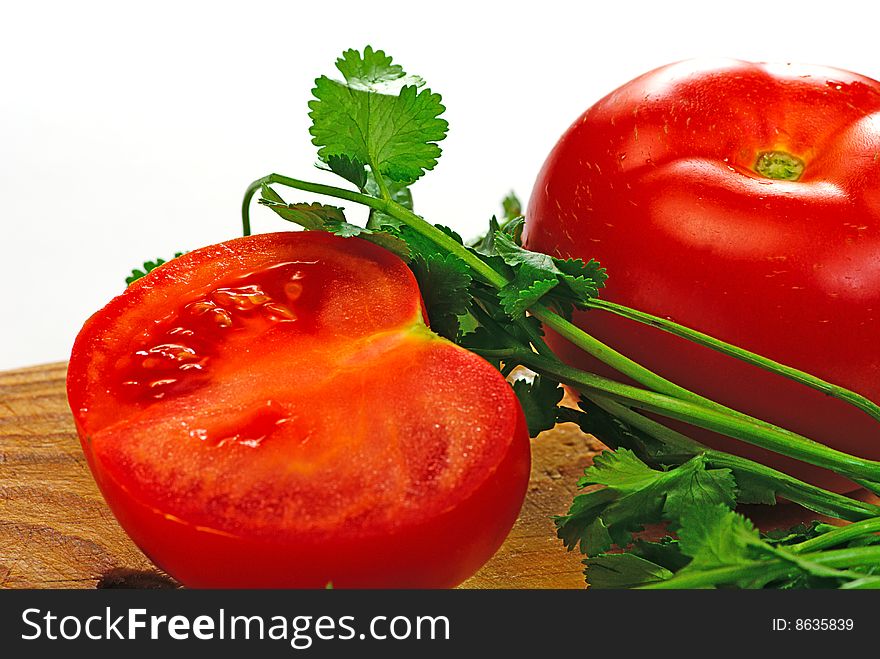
(57,532)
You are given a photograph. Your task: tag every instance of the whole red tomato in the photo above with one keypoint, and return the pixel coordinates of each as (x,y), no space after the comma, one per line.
(742,200)
(274,412)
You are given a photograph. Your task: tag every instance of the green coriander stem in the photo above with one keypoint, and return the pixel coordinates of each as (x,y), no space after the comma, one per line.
(809,496)
(380,183)
(838,536)
(768,570)
(388,207)
(308,186)
(733,425)
(851,397)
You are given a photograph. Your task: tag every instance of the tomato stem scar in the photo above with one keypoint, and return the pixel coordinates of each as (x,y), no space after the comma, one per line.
(779,165)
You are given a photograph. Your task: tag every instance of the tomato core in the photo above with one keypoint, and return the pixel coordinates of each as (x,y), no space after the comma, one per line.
(779,165)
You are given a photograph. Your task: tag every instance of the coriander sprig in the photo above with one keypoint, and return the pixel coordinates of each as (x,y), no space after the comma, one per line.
(378,128)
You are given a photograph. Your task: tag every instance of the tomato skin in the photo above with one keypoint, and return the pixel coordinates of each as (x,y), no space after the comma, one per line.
(334,439)
(658,182)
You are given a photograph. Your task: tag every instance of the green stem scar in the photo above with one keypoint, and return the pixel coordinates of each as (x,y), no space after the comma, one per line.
(779,165)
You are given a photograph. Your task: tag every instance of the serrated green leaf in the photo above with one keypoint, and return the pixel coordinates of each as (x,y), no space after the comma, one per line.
(312,217)
(622,571)
(516,256)
(321,217)
(715,536)
(351,169)
(540,277)
(635,495)
(753,490)
(400,193)
(539,400)
(516,297)
(486,244)
(374,71)
(378,116)
(511,206)
(444,281)
(269,194)
(664,552)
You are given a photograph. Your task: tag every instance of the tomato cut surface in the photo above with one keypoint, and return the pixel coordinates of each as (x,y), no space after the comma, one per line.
(273,411)
(742,200)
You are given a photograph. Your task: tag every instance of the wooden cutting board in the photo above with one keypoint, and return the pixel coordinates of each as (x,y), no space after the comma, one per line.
(57,532)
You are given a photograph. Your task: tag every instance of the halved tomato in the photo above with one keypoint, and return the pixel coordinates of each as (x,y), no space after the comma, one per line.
(273,411)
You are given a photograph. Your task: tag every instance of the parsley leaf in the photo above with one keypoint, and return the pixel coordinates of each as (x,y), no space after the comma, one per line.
(376,115)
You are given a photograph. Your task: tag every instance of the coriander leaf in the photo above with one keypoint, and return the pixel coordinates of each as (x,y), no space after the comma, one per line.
(583,279)
(148,266)
(563,282)
(516,256)
(539,399)
(269,194)
(374,72)
(614,433)
(635,495)
(519,295)
(351,169)
(511,206)
(312,217)
(400,194)
(451,233)
(752,489)
(444,281)
(378,116)
(622,571)
(714,536)
(382,238)
(796,534)
(514,229)
(321,217)
(665,553)
(583,525)
(485,245)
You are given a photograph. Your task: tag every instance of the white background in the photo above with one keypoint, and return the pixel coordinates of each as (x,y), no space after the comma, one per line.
(130,130)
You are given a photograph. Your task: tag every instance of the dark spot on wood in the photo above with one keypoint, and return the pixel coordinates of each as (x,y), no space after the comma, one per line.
(122,577)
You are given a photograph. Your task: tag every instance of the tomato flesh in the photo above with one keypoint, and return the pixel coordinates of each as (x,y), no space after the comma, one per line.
(661,181)
(289,420)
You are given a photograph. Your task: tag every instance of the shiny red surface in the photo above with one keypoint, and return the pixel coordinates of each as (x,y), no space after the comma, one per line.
(327,435)
(657,182)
